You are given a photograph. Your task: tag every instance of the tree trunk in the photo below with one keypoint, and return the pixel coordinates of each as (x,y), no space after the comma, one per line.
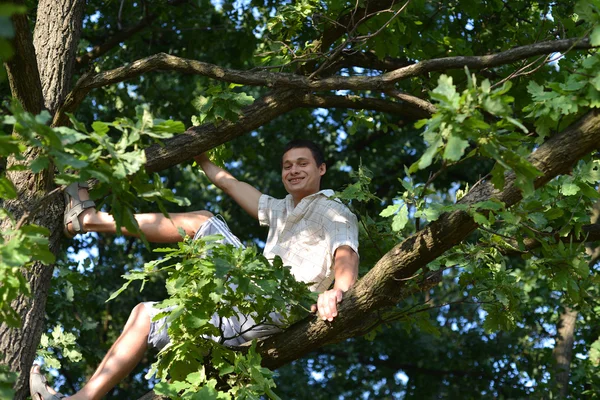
(19,345)
(57,32)
(563,350)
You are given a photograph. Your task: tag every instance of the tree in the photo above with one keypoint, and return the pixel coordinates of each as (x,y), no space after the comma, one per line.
(507,90)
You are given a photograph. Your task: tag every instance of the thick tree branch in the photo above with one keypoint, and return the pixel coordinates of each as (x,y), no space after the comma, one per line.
(22,70)
(410,107)
(383,286)
(198,139)
(426,107)
(488,61)
(368,60)
(166,62)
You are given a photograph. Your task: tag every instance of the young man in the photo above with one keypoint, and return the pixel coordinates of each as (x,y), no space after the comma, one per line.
(316,236)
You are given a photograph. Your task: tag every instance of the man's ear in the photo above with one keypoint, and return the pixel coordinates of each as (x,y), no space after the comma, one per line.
(322,169)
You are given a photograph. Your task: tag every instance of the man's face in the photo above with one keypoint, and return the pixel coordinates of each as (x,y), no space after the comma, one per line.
(300,173)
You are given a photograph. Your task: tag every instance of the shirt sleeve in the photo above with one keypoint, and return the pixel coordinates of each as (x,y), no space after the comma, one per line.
(344,232)
(265,210)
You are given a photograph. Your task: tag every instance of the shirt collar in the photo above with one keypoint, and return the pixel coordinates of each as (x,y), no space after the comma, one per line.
(290,201)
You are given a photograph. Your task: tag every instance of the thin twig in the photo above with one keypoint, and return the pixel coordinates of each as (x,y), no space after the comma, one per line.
(334,54)
(371,35)
(496,233)
(381,253)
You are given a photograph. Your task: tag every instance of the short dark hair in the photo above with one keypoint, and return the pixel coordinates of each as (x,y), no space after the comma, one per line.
(316,151)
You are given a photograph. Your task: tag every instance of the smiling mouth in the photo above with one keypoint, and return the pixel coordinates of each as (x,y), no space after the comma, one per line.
(295,180)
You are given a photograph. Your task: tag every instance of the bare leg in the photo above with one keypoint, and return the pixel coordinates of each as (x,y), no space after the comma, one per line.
(120,360)
(122,357)
(156,226)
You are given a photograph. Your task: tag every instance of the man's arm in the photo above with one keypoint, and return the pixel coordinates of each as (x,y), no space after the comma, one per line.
(243,194)
(346,273)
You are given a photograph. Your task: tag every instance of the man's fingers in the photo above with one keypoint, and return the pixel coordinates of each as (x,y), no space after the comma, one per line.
(321,305)
(326,306)
(332,306)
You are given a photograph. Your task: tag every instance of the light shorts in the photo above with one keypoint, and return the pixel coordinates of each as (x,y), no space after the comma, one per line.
(235,330)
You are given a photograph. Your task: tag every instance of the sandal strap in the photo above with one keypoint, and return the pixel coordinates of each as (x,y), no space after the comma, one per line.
(72,215)
(73,211)
(37,385)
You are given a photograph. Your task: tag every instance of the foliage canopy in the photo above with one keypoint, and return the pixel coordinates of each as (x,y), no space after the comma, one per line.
(464,135)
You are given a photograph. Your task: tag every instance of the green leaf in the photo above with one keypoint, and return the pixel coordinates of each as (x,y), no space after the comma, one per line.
(446,91)
(390,210)
(595,36)
(70,136)
(480,219)
(595,353)
(101,128)
(39,164)
(166,128)
(427,157)
(7,189)
(569,189)
(400,219)
(10,145)
(243,99)
(455,148)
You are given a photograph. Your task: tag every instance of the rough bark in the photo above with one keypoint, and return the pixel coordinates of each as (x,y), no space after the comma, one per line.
(56,36)
(20,345)
(23,74)
(42,79)
(17,347)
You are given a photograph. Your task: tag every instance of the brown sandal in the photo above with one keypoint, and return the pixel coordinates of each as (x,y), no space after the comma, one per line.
(74,206)
(37,387)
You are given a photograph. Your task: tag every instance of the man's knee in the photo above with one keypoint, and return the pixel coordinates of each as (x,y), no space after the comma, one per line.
(140,315)
(196,220)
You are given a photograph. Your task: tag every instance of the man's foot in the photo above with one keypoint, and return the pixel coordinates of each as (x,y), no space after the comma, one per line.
(77,206)
(38,388)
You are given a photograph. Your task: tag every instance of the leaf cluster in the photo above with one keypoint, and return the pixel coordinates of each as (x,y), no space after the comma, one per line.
(71,155)
(208,281)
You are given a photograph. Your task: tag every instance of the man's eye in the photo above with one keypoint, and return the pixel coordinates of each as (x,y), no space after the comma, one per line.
(287,167)
(303,164)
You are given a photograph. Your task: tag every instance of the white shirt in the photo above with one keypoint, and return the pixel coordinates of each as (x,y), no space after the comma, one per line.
(306,236)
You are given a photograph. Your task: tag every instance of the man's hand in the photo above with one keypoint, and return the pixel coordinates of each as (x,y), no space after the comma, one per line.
(326,306)
(346,271)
